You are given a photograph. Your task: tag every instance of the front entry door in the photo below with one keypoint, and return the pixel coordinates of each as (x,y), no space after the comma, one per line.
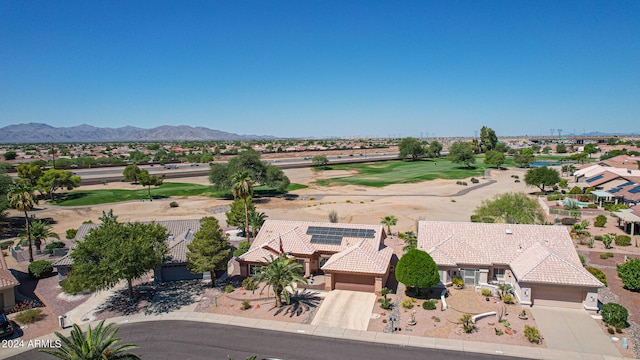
(470,276)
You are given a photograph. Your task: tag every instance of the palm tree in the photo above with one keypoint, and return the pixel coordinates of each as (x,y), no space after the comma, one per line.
(410,241)
(40,232)
(95,344)
(279,273)
(389,221)
(256,220)
(243,188)
(21,198)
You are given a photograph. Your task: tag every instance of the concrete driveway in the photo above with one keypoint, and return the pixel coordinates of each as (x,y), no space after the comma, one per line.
(345,309)
(572,330)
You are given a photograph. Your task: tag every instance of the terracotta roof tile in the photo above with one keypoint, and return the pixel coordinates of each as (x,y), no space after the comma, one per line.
(360,258)
(6,277)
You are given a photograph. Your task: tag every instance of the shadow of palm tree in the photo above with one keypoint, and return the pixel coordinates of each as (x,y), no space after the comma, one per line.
(300,303)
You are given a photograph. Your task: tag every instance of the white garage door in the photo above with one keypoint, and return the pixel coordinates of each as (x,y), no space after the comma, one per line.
(558,296)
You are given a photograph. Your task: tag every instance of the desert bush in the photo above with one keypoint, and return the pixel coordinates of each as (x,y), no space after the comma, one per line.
(507,298)
(249,284)
(592,206)
(407,303)
(229,289)
(629,273)
(474,180)
(246,305)
(429,305)
(532,334)
(385,303)
(589,190)
(583,259)
(568,221)
(623,240)
(598,274)
(606,255)
(575,191)
(312,198)
(600,221)
(475,218)
(486,292)
(173,204)
(54,245)
(499,332)
(29,316)
(467,325)
(349,201)
(71,233)
(615,207)
(40,269)
(598,237)
(615,315)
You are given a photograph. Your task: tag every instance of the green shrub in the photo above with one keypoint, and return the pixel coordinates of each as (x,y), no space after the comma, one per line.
(243,247)
(623,240)
(246,305)
(598,237)
(429,305)
(475,218)
(6,244)
(486,292)
(474,180)
(29,316)
(71,233)
(555,197)
(517,181)
(615,315)
(40,269)
(592,206)
(575,190)
(606,255)
(532,334)
(629,273)
(173,204)
(507,298)
(249,284)
(568,221)
(589,190)
(598,274)
(54,245)
(499,332)
(229,289)
(583,259)
(385,303)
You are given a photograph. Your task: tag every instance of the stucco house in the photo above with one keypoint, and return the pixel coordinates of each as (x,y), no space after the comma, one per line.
(539,261)
(350,256)
(8,282)
(174,266)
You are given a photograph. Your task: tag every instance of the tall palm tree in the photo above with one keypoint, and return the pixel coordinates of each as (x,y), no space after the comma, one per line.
(95,344)
(40,232)
(243,188)
(21,198)
(389,221)
(279,273)
(256,220)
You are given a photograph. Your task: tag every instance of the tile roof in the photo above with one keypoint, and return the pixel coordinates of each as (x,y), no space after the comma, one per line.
(6,277)
(536,253)
(361,258)
(180,234)
(352,254)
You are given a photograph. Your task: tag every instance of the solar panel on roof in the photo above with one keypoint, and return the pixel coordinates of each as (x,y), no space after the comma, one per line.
(626,184)
(334,235)
(597,177)
(614,190)
(635,190)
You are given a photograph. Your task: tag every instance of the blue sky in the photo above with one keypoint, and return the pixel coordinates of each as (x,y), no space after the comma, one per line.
(324,68)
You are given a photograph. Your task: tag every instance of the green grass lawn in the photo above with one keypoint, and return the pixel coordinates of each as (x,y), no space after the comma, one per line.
(403,172)
(95,197)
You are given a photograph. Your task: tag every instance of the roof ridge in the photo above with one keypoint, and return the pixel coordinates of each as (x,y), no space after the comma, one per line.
(549,253)
(368,255)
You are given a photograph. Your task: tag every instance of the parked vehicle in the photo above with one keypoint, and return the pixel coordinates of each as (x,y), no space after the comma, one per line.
(6,329)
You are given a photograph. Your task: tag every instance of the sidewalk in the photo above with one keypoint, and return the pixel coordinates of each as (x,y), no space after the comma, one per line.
(470,347)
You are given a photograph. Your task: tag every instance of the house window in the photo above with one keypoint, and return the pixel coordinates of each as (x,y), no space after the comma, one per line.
(254,269)
(498,274)
(470,276)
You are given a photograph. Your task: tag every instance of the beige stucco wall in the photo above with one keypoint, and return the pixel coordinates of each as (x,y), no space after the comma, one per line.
(8,298)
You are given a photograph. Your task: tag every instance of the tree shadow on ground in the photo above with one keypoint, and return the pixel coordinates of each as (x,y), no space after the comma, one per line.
(300,302)
(121,305)
(172,296)
(424,294)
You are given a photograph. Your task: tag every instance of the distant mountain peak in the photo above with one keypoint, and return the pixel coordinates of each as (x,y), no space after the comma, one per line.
(43,133)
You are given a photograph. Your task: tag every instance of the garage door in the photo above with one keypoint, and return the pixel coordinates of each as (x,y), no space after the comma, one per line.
(355,282)
(559,297)
(174,273)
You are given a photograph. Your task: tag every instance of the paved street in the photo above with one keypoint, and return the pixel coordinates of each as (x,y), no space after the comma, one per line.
(194,340)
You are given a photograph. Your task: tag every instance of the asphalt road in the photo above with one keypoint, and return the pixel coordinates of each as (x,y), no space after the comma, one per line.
(195,340)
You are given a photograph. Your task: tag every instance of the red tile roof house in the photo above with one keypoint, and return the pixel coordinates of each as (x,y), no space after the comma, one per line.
(8,282)
(539,261)
(351,256)
(174,266)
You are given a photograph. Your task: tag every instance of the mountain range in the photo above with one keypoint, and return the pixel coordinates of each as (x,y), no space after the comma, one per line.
(43,133)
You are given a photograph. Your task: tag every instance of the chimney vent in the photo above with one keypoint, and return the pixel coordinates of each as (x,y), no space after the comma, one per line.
(509,231)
